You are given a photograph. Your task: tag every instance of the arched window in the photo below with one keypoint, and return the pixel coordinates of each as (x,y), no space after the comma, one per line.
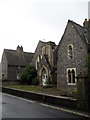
(73,76)
(44,50)
(70,51)
(71,73)
(37,62)
(69,76)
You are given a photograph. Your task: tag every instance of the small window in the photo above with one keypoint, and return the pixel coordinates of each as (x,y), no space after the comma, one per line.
(37,62)
(2,74)
(44,50)
(70,51)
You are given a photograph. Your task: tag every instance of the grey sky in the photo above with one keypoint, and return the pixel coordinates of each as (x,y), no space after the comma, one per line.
(25,22)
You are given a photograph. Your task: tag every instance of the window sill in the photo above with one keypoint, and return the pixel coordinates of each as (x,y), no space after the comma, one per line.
(71,84)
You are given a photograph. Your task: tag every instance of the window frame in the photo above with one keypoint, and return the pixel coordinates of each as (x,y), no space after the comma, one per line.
(69,52)
(71,76)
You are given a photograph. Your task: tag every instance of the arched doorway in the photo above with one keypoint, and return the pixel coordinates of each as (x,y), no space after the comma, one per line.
(44,76)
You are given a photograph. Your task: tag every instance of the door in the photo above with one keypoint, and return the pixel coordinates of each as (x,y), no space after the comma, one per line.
(44,77)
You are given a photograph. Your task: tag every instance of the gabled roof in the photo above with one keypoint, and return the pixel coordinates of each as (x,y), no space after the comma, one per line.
(82,32)
(38,50)
(17,59)
(42,43)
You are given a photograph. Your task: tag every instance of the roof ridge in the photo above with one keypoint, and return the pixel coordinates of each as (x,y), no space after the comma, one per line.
(9,49)
(76,23)
(16,51)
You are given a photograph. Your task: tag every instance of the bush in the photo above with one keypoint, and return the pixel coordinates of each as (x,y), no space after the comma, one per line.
(35,81)
(28,74)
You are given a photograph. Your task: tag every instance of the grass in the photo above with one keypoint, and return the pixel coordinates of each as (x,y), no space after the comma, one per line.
(46,90)
(26,87)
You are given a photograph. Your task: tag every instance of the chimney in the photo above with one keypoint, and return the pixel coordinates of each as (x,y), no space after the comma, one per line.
(86,24)
(19,49)
(89,24)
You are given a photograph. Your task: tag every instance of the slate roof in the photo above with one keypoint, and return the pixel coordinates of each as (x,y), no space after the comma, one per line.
(16,59)
(82,31)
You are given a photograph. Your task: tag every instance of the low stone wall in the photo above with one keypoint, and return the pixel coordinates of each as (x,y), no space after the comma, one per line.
(11,82)
(50,99)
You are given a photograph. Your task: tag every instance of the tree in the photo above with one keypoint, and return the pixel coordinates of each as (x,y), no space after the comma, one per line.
(28,74)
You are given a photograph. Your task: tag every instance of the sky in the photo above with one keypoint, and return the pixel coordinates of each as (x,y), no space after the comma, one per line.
(25,22)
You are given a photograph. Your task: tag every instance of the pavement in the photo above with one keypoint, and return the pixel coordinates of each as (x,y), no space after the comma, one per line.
(16,107)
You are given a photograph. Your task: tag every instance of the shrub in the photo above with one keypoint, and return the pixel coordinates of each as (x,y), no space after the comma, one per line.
(28,73)
(35,81)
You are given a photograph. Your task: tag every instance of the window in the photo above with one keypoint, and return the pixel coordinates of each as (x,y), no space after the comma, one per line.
(44,50)
(69,76)
(71,73)
(2,75)
(70,51)
(37,63)
(73,76)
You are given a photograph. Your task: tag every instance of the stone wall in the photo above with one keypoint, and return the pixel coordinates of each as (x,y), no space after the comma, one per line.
(13,71)
(79,55)
(4,66)
(38,52)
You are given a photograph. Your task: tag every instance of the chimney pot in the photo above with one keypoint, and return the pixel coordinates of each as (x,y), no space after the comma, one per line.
(19,49)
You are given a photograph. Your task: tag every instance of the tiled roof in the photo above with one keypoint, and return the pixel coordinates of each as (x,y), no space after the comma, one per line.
(18,59)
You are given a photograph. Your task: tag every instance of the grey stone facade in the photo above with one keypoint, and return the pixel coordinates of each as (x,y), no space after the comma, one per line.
(72,37)
(60,63)
(43,59)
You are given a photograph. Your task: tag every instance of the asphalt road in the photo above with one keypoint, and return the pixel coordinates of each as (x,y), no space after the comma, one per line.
(13,107)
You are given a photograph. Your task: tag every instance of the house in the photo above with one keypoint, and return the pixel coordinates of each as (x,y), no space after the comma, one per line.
(71,54)
(13,62)
(43,60)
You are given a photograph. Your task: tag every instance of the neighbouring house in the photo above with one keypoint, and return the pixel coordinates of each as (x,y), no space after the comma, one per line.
(44,61)
(13,62)
(71,54)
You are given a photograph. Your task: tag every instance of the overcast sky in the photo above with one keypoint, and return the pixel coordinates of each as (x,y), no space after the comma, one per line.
(25,22)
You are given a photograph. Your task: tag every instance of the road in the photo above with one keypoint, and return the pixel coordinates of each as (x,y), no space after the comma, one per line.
(14,107)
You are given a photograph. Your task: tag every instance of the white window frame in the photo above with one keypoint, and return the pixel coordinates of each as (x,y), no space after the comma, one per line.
(71,76)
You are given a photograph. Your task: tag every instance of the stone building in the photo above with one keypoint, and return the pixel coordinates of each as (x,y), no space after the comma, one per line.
(43,60)
(13,61)
(57,63)
(71,54)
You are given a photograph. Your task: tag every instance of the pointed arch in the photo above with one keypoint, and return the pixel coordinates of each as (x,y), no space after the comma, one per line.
(70,51)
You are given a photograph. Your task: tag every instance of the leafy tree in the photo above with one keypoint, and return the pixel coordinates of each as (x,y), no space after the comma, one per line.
(28,74)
